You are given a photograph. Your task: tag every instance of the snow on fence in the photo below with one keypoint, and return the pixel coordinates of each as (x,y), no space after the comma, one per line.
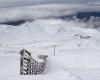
(29,66)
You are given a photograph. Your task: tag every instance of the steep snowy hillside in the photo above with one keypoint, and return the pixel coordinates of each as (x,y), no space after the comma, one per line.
(74,33)
(39,29)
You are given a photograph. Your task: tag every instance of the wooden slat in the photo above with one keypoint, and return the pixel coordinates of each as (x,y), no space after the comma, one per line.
(28,52)
(26,59)
(25,66)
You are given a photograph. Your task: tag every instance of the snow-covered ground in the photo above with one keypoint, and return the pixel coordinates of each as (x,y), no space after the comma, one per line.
(76,43)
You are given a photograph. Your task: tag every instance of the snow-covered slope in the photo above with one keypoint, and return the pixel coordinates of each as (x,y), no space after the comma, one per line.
(76,42)
(57,30)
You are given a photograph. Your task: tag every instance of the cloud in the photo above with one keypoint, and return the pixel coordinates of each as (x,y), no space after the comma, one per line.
(12,3)
(41,11)
(36,12)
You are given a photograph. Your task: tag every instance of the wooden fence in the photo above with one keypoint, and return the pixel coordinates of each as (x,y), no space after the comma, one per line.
(25,63)
(29,66)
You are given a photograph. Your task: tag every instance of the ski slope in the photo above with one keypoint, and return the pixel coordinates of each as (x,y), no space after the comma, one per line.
(76,43)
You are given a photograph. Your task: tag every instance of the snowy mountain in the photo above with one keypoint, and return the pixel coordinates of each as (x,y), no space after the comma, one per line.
(74,30)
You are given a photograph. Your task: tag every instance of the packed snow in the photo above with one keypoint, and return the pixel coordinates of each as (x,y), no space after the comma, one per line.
(76,42)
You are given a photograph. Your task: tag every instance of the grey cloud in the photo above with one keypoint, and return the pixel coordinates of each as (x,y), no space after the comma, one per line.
(11,3)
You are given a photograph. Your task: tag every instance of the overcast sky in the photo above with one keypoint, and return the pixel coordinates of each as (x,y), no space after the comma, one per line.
(10,3)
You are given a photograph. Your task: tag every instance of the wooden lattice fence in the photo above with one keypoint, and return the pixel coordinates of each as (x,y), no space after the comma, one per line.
(29,66)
